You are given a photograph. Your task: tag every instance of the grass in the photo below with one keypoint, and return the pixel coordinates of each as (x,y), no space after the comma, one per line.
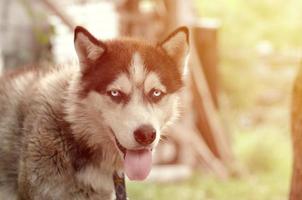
(209,188)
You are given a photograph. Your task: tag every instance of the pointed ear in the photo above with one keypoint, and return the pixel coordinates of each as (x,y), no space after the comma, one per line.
(176,45)
(87,47)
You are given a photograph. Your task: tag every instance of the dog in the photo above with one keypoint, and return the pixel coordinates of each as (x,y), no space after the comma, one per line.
(65,130)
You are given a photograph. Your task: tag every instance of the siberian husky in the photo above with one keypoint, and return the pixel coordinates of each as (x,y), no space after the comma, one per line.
(65,130)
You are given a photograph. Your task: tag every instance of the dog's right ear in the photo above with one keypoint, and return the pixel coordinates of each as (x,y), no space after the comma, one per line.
(176,45)
(88,48)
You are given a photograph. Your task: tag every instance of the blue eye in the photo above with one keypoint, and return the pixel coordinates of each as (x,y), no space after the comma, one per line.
(155,95)
(115,93)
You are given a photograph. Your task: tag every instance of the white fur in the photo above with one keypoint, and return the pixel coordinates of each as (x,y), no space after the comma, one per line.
(125,119)
(96,178)
(137,69)
(133,115)
(185,70)
(19,83)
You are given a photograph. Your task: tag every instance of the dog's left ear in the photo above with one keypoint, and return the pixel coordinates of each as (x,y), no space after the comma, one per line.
(88,48)
(176,46)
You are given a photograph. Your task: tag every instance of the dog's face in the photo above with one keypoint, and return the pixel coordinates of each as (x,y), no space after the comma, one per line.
(134,87)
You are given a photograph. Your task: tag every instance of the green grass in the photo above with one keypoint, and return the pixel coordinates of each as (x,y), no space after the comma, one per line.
(264,187)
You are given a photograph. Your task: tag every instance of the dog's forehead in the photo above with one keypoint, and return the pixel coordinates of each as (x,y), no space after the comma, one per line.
(137,69)
(134,61)
(137,77)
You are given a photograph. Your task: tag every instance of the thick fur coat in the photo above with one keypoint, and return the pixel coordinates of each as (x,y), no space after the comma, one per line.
(65,130)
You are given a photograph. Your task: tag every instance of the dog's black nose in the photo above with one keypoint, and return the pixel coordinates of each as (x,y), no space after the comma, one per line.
(145,135)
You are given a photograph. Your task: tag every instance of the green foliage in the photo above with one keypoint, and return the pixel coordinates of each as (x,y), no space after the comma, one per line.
(244,23)
(263,150)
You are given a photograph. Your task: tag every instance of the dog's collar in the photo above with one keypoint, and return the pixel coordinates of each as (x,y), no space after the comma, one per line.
(119,186)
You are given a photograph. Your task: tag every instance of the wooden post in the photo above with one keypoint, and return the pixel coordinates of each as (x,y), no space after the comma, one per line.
(296,126)
(205,36)
(127,25)
(171,18)
(205,42)
(207,119)
(139,23)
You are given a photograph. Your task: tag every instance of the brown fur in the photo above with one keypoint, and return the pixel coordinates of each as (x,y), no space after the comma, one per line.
(53,143)
(104,70)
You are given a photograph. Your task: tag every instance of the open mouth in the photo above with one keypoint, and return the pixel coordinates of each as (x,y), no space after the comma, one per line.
(137,162)
(120,147)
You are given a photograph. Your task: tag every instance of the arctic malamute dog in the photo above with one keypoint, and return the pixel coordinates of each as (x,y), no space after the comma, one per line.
(64,131)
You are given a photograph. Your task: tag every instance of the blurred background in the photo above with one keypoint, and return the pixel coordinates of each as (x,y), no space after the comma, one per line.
(233,141)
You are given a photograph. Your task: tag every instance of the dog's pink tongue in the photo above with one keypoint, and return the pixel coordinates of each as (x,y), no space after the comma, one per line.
(138,164)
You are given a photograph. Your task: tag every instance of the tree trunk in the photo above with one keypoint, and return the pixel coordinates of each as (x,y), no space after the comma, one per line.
(296,125)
